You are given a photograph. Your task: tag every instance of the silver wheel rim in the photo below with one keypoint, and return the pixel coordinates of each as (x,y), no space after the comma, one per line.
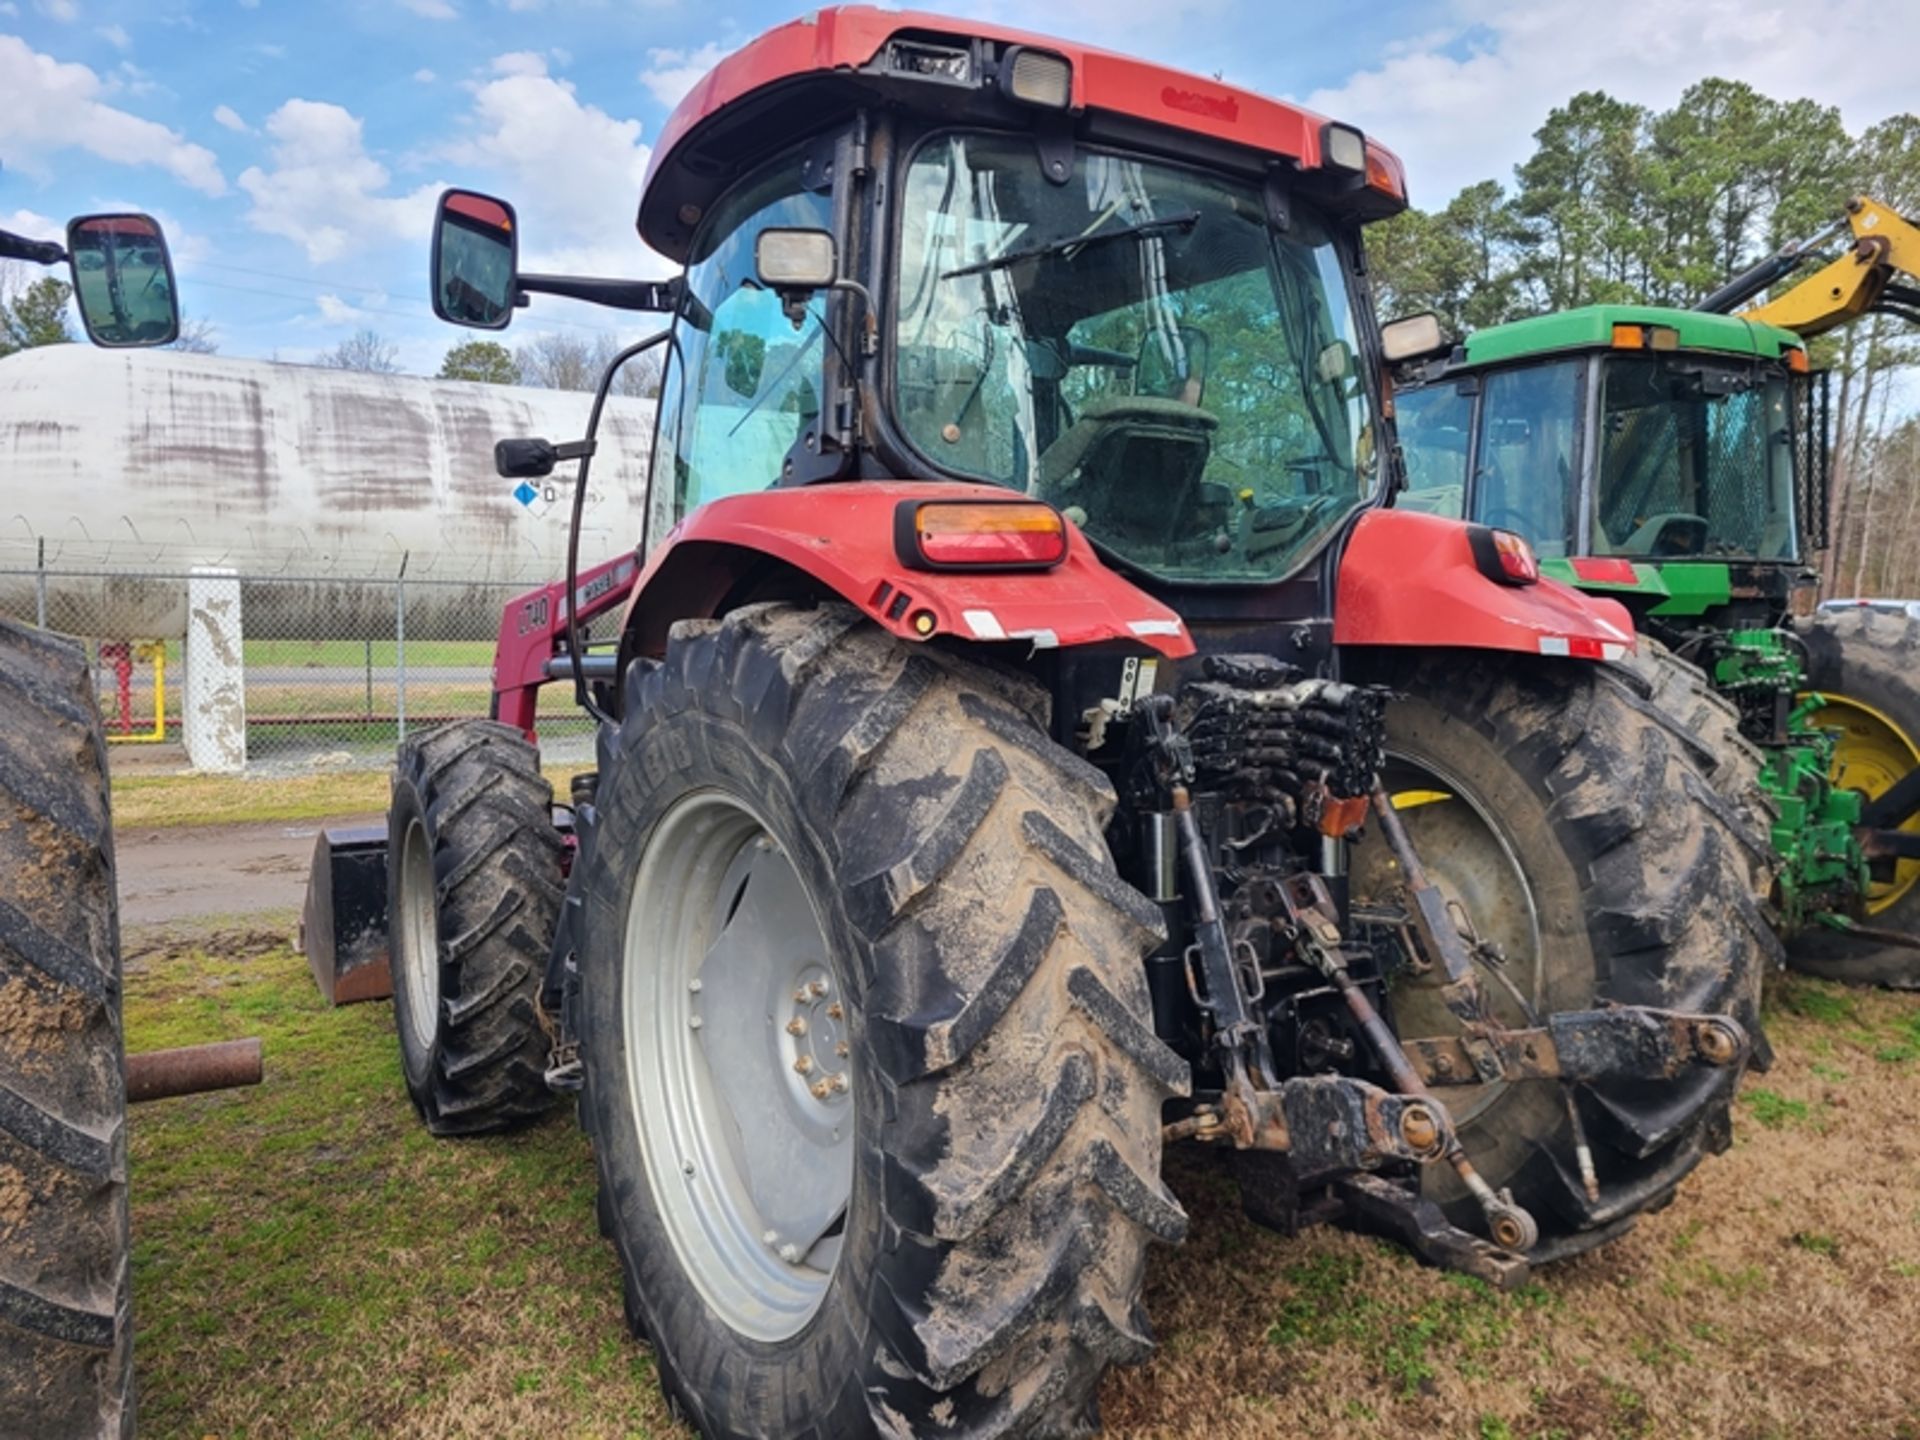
(739,1065)
(418,957)
(1470,858)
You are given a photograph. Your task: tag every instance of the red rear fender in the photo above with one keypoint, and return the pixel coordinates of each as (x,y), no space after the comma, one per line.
(1410,579)
(841,537)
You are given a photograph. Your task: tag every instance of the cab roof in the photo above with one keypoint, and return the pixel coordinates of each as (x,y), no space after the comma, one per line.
(804,76)
(1591,327)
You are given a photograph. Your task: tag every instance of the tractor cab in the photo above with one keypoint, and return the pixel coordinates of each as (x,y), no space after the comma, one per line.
(918,253)
(1672,459)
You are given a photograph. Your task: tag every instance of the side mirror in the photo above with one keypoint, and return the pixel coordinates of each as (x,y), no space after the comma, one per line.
(528,458)
(476,260)
(1413,338)
(795,264)
(123,280)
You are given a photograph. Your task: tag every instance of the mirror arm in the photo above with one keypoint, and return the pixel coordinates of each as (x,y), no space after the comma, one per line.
(40,252)
(656,295)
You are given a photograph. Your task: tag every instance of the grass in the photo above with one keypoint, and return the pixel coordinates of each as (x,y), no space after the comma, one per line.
(159,801)
(309,1263)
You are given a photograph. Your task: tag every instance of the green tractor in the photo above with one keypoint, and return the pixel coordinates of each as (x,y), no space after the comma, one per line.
(1678,462)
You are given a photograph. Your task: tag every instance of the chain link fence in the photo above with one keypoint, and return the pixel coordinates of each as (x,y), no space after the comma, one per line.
(333,671)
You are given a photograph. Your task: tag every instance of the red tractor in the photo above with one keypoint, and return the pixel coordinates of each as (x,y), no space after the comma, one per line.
(1000,768)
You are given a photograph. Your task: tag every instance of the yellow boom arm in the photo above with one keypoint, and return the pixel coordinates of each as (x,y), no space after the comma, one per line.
(1885,244)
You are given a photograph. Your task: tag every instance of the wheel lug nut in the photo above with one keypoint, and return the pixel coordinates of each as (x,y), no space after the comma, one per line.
(802,995)
(820,1089)
(817,989)
(796,1027)
(839,1084)
(790,1253)
(695,986)
(836,1012)
(804,1064)
(843,1049)
(694,1022)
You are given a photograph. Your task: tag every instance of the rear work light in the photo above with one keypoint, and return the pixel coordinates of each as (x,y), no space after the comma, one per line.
(1343,148)
(979,535)
(1035,77)
(1503,557)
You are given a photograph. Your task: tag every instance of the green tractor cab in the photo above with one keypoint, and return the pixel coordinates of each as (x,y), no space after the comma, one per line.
(1677,462)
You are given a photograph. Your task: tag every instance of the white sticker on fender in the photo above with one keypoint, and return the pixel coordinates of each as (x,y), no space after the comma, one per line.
(984,624)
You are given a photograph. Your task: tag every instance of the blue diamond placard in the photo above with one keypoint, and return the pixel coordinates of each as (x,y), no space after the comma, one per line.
(525,493)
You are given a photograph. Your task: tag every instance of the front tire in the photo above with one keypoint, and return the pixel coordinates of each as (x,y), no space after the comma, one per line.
(795,800)
(474,887)
(66,1329)
(1573,820)
(1867,664)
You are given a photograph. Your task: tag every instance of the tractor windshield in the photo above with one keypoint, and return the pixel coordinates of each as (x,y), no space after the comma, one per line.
(1138,346)
(1696,458)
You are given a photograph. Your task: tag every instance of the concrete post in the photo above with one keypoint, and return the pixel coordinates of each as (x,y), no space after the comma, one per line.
(213,712)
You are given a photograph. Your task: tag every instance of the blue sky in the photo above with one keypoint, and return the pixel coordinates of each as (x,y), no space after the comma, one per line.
(293,150)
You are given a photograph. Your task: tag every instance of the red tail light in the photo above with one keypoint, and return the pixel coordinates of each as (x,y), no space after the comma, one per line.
(980,534)
(1503,556)
(1605,570)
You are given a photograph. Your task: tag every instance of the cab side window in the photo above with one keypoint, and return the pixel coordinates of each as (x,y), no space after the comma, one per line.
(1434,424)
(743,382)
(1529,424)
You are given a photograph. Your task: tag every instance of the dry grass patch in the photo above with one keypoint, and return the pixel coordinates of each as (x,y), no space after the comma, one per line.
(310,1262)
(154,801)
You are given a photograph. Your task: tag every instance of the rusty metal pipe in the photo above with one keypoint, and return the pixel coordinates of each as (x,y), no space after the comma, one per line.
(223,1065)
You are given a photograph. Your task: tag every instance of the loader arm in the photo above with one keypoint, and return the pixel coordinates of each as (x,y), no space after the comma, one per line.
(1886,245)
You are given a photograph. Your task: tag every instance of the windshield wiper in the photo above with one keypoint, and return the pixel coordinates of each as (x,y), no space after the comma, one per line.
(1185,221)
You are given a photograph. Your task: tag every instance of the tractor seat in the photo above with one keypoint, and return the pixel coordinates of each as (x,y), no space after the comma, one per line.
(1133,463)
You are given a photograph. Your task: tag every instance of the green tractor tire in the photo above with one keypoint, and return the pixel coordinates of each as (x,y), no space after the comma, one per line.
(1866,665)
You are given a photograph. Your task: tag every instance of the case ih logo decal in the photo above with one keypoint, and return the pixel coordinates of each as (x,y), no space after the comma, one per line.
(601,584)
(1214,107)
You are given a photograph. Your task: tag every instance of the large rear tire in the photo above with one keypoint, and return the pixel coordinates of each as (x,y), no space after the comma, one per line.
(809,836)
(474,885)
(1573,820)
(1867,665)
(66,1331)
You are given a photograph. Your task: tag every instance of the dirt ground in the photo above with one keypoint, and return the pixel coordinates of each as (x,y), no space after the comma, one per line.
(309,1262)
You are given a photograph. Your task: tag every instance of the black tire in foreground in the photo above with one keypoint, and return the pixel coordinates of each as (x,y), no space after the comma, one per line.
(66,1331)
(1576,822)
(1001,1085)
(1867,664)
(474,882)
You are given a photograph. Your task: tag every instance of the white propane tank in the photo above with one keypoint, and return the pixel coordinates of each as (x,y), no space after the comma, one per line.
(116,464)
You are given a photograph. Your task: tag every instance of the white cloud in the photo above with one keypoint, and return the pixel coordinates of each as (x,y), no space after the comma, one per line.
(9,9)
(1462,105)
(32,225)
(431,9)
(670,74)
(573,170)
(424,76)
(324,191)
(65,11)
(335,311)
(229,118)
(520,62)
(53,106)
(115,35)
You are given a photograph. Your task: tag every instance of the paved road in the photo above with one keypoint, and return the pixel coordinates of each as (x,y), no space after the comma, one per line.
(187,872)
